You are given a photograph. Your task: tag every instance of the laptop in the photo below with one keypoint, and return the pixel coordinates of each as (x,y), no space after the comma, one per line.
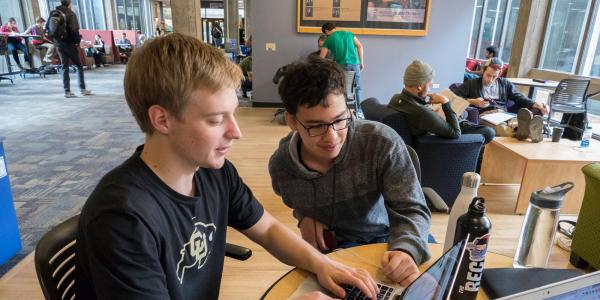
(435,283)
(580,287)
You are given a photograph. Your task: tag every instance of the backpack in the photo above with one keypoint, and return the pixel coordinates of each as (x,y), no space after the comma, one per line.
(57,26)
(216,33)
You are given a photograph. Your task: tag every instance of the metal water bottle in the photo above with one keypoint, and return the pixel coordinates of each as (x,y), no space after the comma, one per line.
(468,191)
(476,226)
(539,226)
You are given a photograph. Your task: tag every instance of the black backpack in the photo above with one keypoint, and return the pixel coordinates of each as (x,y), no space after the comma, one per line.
(216,33)
(57,26)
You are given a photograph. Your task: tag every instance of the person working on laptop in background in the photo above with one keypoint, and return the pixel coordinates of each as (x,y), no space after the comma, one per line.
(155,226)
(415,101)
(490,91)
(348,52)
(349,182)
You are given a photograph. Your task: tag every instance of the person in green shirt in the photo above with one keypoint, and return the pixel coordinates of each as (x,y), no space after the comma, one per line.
(347,51)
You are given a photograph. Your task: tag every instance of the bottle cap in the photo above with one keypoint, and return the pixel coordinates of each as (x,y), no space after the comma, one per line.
(551,197)
(477,206)
(471,180)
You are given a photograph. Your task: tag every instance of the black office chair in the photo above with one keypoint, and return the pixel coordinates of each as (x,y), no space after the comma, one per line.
(570,97)
(55,260)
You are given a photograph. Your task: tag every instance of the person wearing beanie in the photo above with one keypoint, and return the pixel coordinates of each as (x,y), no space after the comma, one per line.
(492,92)
(415,102)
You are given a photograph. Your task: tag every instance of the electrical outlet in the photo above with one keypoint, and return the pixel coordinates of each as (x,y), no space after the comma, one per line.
(271,47)
(435,85)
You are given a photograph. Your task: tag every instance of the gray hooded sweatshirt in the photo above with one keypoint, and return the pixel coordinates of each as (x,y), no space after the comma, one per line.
(370,192)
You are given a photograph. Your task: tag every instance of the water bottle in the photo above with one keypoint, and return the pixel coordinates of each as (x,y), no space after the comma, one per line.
(475,226)
(585,138)
(539,226)
(468,191)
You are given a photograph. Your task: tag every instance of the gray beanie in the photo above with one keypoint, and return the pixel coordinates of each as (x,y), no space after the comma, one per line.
(417,73)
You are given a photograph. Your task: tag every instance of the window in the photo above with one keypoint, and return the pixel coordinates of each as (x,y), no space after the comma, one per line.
(564,34)
(494,24)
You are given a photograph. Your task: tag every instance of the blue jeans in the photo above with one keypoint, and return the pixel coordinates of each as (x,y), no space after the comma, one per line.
(12,49)
(356,69)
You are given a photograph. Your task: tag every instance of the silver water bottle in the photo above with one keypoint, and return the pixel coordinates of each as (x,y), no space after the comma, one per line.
(539,226)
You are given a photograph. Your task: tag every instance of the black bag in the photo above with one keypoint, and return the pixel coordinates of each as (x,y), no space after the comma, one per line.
(57,26)
(216,33)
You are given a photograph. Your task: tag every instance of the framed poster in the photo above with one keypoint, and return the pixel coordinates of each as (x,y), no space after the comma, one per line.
(377,17)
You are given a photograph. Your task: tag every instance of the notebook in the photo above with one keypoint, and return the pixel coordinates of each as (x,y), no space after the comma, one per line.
(580,287)
(435,283)
(458,104)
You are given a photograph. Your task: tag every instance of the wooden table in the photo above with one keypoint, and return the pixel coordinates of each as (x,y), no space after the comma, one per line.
(358,256)
(549,84)
(534,166)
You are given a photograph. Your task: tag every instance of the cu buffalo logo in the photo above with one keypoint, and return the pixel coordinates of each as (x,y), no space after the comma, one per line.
(195,252)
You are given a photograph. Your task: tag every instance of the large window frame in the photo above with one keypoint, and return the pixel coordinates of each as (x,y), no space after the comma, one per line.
(501,23)
(588,42)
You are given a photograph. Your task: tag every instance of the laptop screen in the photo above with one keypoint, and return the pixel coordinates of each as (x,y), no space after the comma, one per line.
(436,283)
(588,292)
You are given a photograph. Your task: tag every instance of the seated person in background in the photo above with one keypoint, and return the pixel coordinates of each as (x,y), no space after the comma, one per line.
(99,44)
(124,45)
(14,41)
(491,92)
(246,66)
(490,52)
(92,51)
(349,182)
(43,41)
(155,226)
(415,100)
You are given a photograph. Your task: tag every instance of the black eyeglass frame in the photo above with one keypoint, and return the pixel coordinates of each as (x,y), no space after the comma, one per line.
(332,125)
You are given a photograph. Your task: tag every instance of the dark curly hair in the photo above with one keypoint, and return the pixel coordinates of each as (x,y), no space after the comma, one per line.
(309,82)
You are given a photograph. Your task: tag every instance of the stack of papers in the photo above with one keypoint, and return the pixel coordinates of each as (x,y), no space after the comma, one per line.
(458,104)
(497,118)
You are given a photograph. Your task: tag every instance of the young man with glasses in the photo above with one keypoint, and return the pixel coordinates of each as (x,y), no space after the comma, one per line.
(349,182)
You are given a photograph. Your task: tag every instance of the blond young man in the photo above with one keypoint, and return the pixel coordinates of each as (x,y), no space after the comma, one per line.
(155,226)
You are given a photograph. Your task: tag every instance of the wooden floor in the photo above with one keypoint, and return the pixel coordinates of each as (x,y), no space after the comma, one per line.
(249,279)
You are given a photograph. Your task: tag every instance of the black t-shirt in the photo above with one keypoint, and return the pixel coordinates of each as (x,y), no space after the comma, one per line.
(139,239)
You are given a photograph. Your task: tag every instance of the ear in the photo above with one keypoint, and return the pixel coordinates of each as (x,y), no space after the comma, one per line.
(289,120)
(159,118)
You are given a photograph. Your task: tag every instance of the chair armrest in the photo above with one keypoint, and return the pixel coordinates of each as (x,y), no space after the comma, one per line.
(436,201)
(237,252)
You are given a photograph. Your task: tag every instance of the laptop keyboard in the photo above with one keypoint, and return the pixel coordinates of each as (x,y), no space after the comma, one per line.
(354,293)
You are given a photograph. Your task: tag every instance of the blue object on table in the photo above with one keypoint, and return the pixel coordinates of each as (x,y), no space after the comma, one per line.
(9,230)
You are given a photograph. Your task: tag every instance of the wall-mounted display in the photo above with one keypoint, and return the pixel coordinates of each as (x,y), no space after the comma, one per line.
(378,17)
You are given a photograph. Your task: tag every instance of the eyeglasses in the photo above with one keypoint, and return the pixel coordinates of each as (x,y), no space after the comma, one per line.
(321,129)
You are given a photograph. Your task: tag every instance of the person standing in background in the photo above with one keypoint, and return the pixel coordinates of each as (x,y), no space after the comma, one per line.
(347,52)
(217,34)
(64,29)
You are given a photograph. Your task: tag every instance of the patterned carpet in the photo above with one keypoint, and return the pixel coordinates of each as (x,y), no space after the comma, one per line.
(57,149)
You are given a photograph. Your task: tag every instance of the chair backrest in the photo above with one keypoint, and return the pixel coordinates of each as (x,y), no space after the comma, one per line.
(55,260)
(471,64)
(376,111)
(350,85)
(571,92)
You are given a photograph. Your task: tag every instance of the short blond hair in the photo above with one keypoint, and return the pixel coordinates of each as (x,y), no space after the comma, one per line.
(168,69)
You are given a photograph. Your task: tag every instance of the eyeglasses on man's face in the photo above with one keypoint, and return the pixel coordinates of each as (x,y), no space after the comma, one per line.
(321,129)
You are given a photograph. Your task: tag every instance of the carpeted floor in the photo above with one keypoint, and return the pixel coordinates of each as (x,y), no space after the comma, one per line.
(57,149)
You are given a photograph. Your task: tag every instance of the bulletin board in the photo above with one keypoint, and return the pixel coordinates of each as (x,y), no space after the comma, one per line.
(375,17)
